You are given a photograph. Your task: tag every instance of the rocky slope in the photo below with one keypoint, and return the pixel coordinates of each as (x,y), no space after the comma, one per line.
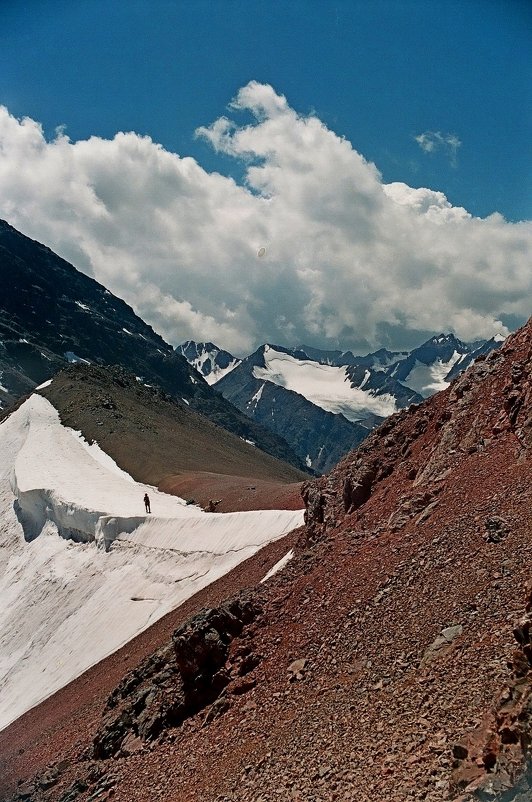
(389,660)
(51,314)
(160,440)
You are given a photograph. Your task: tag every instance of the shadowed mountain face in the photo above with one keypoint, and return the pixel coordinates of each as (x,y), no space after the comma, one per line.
(318,437)
(209,360)
(51,314)
(389,659)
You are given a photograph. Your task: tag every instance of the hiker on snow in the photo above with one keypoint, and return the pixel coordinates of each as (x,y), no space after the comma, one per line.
(147,502)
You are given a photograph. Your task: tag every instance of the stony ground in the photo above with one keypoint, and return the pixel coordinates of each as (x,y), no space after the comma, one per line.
(383,664)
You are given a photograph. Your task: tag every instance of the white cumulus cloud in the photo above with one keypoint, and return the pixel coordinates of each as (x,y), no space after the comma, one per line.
(348,260)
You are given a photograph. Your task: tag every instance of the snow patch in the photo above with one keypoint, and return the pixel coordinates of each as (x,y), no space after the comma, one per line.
(278,566)
(429,379)
(66,604)
(326,386)
(256,398)
(44,384)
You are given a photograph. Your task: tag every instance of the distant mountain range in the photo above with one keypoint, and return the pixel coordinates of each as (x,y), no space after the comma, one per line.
(323,403)
(303,405)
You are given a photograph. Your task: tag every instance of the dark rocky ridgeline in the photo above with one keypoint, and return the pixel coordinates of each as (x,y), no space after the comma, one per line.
(51,313)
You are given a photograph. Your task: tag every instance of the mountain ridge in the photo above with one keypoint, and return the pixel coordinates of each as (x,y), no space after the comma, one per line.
(51,313)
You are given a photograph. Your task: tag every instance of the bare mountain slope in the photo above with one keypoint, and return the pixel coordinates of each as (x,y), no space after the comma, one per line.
(389,660)
(151,435)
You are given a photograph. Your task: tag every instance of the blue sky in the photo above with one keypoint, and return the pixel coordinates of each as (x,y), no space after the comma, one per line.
(378,73)
(284,108)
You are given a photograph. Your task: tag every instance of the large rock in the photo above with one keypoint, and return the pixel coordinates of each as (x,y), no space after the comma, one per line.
(177,681)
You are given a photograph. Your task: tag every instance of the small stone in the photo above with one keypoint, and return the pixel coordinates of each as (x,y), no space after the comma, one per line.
(297,669)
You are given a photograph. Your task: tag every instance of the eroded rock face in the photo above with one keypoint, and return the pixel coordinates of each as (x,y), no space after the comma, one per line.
(177,681)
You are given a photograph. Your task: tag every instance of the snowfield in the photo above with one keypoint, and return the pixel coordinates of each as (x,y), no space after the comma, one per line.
(324,385)
(429,379)
(83,569)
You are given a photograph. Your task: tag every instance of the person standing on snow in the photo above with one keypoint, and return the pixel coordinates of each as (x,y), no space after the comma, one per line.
(147,502)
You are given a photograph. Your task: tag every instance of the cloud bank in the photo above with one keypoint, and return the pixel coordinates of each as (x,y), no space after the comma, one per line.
(347,259)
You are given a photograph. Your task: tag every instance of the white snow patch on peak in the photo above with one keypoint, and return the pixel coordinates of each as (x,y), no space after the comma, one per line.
(66,603)
(326,386)
(213,373)
(367,374)
(430,379)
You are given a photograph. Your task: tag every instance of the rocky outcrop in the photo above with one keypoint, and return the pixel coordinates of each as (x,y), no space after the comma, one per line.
(179,680)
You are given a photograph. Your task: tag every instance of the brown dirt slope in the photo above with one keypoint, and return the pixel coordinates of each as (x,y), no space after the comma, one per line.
(149,434)
(235,493)
(408,610)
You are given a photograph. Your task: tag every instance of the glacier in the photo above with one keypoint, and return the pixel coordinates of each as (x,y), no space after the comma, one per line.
(83,569)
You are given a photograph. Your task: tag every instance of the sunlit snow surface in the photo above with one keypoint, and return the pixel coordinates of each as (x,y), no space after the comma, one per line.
(324,385)
(429,379)
(66,602)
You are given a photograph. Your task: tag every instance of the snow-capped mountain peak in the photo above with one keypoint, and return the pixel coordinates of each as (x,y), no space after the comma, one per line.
(361,389)
(212,362)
